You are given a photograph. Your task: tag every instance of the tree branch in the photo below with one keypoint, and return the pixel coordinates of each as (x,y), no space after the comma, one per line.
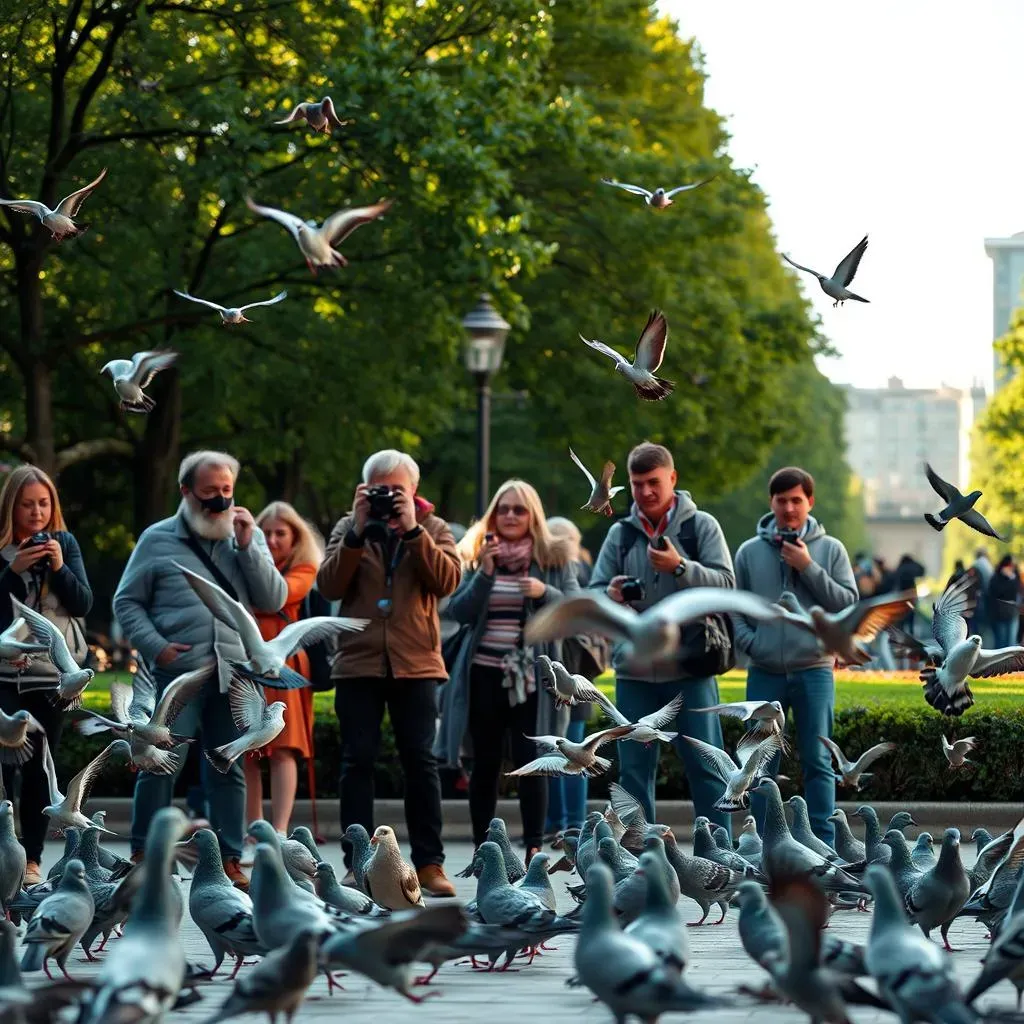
(91,141)
(85,450)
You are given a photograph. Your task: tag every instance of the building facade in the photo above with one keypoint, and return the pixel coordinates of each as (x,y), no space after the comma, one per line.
(1007,256)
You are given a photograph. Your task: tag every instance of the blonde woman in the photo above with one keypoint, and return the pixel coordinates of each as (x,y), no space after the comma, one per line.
(46,573)
(514,565)
(297,552)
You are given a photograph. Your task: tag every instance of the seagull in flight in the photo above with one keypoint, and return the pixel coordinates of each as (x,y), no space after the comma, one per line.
(321,117)
(232,314)
(60,222)
(835,287)
(958,506)
(659,198)
(650,351)
(601,491)
(131,376)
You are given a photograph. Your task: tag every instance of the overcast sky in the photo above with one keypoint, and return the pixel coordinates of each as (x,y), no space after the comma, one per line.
(900,120)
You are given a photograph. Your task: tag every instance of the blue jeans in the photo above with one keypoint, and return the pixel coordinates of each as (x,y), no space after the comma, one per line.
(208,717)
(1005,632)
(811,694)
(638,764)
(567,794)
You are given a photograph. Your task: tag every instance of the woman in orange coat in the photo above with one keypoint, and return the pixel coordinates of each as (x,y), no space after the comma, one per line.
(297,553)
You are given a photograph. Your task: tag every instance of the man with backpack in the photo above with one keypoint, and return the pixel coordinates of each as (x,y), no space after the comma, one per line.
(666,544)
(791,552)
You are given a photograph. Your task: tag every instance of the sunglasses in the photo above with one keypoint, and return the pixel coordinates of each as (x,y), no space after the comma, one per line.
(512,510)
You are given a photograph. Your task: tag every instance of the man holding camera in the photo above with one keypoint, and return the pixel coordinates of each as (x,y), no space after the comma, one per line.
(663,546)
(791,551)
(390,560)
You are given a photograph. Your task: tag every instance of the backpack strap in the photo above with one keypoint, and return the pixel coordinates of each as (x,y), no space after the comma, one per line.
(688,538)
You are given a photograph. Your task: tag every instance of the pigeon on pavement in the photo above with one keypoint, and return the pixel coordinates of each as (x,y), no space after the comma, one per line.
(649,353)
(738,778)
(256,721)
(61,221)
(659,198)
(852,773)
(346,898)
(848,846)
(1005,957)
(876,852)
(232,314)
(660,925)
(390,879)
(800,829)
(836,286)
(989,855)
(940,893)
(321,117)
(297,860)
(497,832)
(362,853)
(957,751)
(704,845)
(749,843)
(72,679)
(923,853)
(280,909)
(958,506)
(132,376)
(904,872)
(59,921)
(12,858)
(601,491)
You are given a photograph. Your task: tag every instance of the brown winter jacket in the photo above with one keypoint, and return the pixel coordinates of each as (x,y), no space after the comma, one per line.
(409,640)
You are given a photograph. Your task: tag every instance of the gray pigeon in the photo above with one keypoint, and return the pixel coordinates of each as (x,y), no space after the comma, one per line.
(923,853)
(900,820)
(877,852)
(18,1003)
(280,909)
(344,897)
(703,881)
(301,834)
(72,836)
(359,839)
(721,837)
(990,901)
(835,287)
(88,854)
(59,921)
(504,904)
(620,861)
(705,846)
(749,843)
(848,846)
(800,829)
(762,932)
(940,893)
(1005,957)
(958,506)
(659,924)
(537,881)
(295,856)
(989,853)
(901,866)
(12,858)
(586,848)
(514,866)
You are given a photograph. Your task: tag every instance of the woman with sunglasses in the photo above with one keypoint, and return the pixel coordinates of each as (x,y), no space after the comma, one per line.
(514,565)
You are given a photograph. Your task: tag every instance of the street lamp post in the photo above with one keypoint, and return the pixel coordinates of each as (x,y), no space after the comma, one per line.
(485,346)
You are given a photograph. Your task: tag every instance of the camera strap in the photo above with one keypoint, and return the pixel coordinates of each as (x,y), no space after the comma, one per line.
(219,578)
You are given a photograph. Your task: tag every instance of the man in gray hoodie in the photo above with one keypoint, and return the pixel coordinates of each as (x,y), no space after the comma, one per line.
(666,544)
(791,551)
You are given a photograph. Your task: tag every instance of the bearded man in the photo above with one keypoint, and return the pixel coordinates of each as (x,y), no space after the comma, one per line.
(173,632)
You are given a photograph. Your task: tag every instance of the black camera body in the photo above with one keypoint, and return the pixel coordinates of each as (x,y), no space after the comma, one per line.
(34,541)
(633,590)
(382,510)
(787,536)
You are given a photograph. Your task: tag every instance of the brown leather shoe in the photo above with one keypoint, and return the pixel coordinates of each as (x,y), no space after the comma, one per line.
(235,874)
(434,882)
(137,857)
(33,876)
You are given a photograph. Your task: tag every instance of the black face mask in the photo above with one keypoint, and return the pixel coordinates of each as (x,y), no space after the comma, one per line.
(218,503)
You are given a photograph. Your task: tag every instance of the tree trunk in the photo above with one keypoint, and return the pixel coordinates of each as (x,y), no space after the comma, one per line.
(156,464)
(39,434)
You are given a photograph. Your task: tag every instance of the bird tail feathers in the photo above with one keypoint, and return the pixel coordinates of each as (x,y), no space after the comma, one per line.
(655,391)
(935,694)
(934,522)
(222,758)
(599,767)
(92,727)
(35,954)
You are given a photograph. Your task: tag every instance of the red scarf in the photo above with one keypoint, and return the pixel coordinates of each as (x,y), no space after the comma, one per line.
(515,556)
(652,531)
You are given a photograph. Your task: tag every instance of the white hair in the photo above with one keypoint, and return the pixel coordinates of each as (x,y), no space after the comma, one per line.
(388,461)
(192,463)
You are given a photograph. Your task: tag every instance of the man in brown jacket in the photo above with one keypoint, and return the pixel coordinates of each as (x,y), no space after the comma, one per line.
(392,570)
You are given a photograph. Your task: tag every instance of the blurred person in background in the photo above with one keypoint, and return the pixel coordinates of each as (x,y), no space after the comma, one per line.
(982,570)
(1003,602)
(958,571)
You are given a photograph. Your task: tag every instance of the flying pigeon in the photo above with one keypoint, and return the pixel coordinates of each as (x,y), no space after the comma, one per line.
(835,287)
(16,745)
(60,222)
(130,376)
(232,314)
(567,689)
(957,751)
(850,773)
(256,721)
(72,679)
(67,810)
(648,729)
(659,198)
(768,716)
(18,653)
(958,506)
(321,117)
(574,758)
(737,778)
(601,491)
(317,243)
(650,351)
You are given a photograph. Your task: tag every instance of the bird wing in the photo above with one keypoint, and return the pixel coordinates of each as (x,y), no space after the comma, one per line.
(667,714)
(71,204)
(872,754)
(650,347)
(998,663)
(405,937)
(299,112)
(612,711)
(327,107)
(286,220)
(549,764)
(37,209)
(306,632)
(78,787)
(741,709)
(586,472)
(340,225)
(179,692)
(867,618)
(906,646)
(715,758)
(945,490)
(143,693)
(224,607)
(949,621)
(247,701)
(266,302)
(635,190)
(45,632)
(976,521)
(585,613)
(850,262)
(598,739)
(146,365)
(50,768)
(202,302)
(753,759)
(600,346)
(838,757)
(688,188)
(607,472)
(699,602)
(806,270)
(121,701)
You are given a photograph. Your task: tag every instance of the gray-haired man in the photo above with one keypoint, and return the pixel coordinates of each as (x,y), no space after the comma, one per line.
(173,631)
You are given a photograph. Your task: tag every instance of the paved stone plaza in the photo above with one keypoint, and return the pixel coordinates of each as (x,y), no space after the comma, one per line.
(539,992)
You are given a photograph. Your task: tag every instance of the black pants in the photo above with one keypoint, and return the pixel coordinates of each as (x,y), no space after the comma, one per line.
(412,706)
(490,718)
(35,790)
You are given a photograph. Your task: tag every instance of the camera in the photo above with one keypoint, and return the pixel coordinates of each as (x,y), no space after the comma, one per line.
(633,590)
(34,541)
(382,509)
(787,536)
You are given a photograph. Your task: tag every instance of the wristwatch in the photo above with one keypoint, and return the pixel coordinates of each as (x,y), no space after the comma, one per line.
(680,569)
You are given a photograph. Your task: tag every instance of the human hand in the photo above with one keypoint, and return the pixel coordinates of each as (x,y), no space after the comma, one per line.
(796,555)
(244,525)
(56,554)
(404,518)
(360,509)
(530,587)
(170,652)
(488,556)
(665,559)
(28,556)
(614,588)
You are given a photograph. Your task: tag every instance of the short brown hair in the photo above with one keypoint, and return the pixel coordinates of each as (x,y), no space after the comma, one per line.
(646,457)
(791,476)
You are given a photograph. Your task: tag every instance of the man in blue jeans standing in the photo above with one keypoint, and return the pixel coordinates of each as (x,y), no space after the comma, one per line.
(668,545)
(791,551)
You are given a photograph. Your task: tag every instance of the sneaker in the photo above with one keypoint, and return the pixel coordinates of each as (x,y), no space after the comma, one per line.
(434,882)
(33,876)
(235,874)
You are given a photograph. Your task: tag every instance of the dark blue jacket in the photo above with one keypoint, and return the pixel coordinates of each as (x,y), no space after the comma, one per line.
(69,584)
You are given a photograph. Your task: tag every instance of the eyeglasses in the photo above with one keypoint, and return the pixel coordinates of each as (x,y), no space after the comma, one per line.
(512,510)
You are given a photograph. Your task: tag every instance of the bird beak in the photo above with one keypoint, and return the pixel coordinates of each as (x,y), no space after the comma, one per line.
(373,840)
(914,823)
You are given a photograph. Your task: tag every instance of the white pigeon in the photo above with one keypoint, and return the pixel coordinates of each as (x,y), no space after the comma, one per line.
(768,717)
(232,314)
(566,688)
(650,635)
(957,751)
(131,376)
(72,679)
(65,811)
(16,745)
(321,117)
(267,657)
(850,773)
(18,653)
(835,287)
(601,491)
(650,351)
(257,722)
(573,758)
(739,777)
(648,729)
(317,243)
(60,222)
(659,198)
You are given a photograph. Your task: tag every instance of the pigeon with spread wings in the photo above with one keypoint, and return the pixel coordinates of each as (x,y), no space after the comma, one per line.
(321,117)
(67,810)
(574,758)
(650,351)
(958,506)
(257,723)
(132,376)
(835,287)
(59,222)
(768,717)
(72,679)
(851,773)
(232,314)
(601,491)
(740,777)
(660,197)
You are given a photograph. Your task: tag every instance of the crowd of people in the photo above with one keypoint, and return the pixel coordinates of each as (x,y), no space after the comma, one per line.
(463,695)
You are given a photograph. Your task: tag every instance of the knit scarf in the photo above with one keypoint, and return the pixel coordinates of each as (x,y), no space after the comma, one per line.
(515,556)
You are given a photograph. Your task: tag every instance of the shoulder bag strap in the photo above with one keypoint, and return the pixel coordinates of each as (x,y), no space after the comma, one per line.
(222,581)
